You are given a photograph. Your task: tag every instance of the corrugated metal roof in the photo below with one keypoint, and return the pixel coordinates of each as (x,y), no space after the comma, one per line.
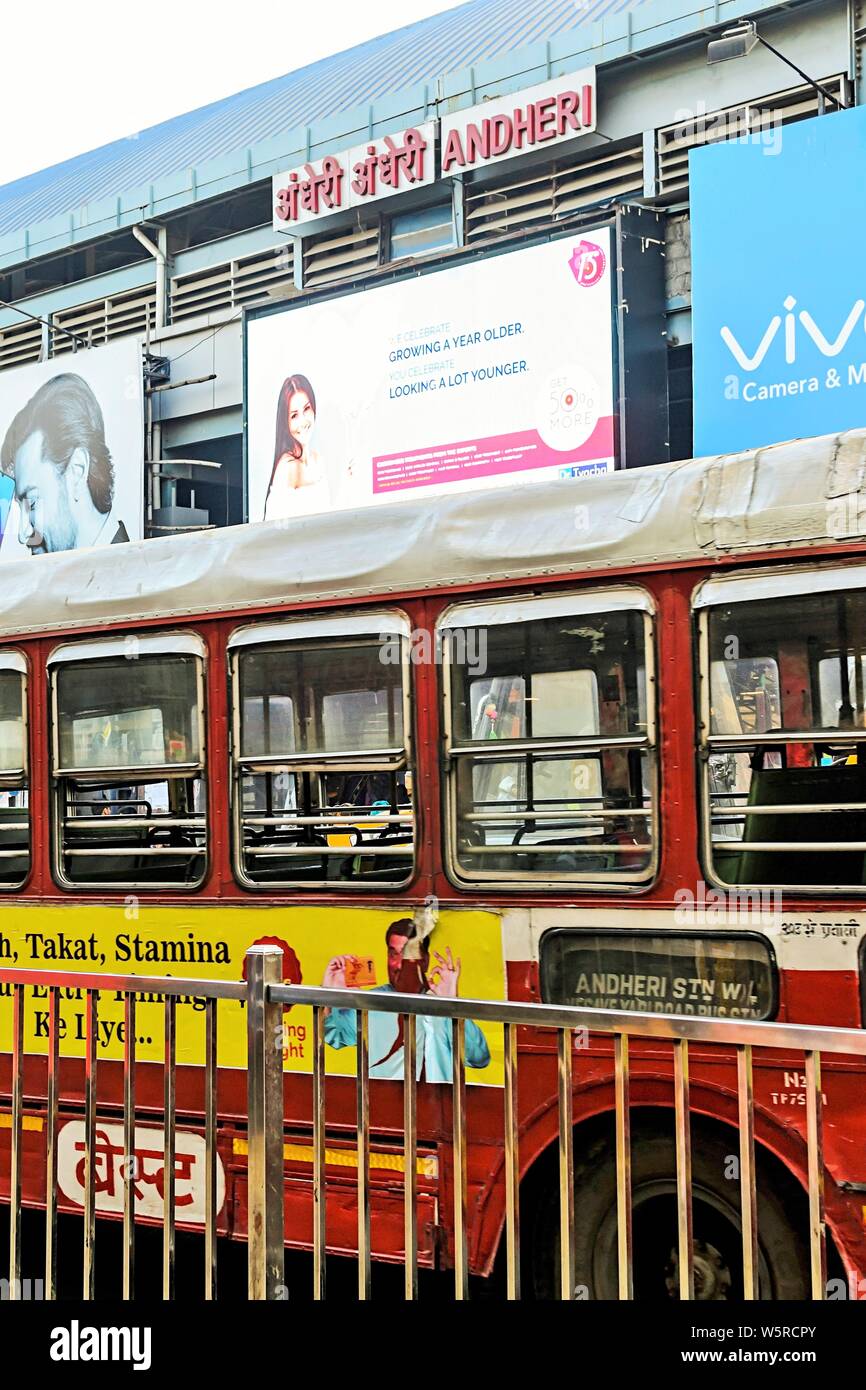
(473,33)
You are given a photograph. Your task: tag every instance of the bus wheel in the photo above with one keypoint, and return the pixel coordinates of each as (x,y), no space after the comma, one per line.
(718,1260)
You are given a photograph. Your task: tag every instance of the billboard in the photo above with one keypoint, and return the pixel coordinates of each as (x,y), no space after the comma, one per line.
(778,294)
(488,373)
(72,451)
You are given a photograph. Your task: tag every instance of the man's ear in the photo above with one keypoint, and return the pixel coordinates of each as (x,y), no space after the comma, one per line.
(77,470)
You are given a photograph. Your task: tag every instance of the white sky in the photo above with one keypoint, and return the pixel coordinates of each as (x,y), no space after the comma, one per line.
(96,70)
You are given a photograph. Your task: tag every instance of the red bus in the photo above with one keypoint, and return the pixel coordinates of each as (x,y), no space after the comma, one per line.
(604,742)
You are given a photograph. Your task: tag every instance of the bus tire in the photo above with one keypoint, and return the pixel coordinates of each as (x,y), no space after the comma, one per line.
(782,1223)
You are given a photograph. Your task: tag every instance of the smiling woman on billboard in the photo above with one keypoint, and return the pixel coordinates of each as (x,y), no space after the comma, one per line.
(297,484)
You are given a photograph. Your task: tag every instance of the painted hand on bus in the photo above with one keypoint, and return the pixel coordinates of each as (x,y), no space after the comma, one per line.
(444,978)
(335,972)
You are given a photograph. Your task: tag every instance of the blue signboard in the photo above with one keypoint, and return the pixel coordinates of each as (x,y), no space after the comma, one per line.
(779,284)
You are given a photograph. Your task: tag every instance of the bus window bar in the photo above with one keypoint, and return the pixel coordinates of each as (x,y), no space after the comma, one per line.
(140,774)
(834,738)
(788,846)
(315,851)
(371,759)
(570,848)
(566,814)
(335,822)
(494,749)
(826,808)
(135,851)
(22,853)
(106,818)
(14,825)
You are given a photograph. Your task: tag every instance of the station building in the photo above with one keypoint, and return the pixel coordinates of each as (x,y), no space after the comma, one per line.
(470,136)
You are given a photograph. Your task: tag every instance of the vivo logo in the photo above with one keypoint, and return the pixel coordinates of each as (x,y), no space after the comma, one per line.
(829,347)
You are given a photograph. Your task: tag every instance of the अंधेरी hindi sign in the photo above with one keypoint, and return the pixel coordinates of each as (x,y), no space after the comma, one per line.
(364,174)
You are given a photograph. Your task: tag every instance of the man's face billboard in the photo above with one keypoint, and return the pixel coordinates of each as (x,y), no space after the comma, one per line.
(45,498)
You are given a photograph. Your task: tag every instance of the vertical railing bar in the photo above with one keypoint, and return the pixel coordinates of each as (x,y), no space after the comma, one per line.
(319,1190)
(566,1165)
(51,1145)
(684,1170)
(410,1158)
(363,1116)
(266,1270)
(748,1192)
(458,1126)
(15,1158)
(169,1145)
(815,1142)
(90,1034)
(623,1167)
(130,1170)
(512,1165)
(210,1131)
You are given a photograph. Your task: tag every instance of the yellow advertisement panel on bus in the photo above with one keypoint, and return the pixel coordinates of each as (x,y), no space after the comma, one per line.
(345,947)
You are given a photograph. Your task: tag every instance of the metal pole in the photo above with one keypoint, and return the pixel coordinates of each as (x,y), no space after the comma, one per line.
(265,1122)
(512,1165)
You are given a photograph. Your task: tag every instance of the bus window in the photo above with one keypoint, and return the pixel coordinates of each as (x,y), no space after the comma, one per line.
(783,722)
(550,740)
(321,753)
(14,810)
(128,762)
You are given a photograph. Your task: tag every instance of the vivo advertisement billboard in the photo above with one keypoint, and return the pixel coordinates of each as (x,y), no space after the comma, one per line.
(485,374)
(779,286)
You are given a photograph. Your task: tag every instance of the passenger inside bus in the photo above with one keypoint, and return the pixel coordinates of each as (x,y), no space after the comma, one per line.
(129,780)
(786,767)
(327,723)
(566,700)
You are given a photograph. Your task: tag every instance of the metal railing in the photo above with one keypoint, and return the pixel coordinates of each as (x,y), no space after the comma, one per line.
(265,997)
(680,1032)
(98,1151)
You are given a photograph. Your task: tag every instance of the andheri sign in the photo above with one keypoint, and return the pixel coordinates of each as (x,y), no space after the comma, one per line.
(779,291)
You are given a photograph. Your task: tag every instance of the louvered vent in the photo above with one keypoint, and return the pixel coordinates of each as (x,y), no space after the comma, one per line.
(340,257)
(20,343)
(104,319)
(233,283)
(674,142)
(563,187)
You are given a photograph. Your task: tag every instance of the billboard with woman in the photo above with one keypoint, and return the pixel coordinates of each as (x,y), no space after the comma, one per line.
(484,373)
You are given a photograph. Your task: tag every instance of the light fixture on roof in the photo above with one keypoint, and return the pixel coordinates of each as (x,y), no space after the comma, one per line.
(738,42)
